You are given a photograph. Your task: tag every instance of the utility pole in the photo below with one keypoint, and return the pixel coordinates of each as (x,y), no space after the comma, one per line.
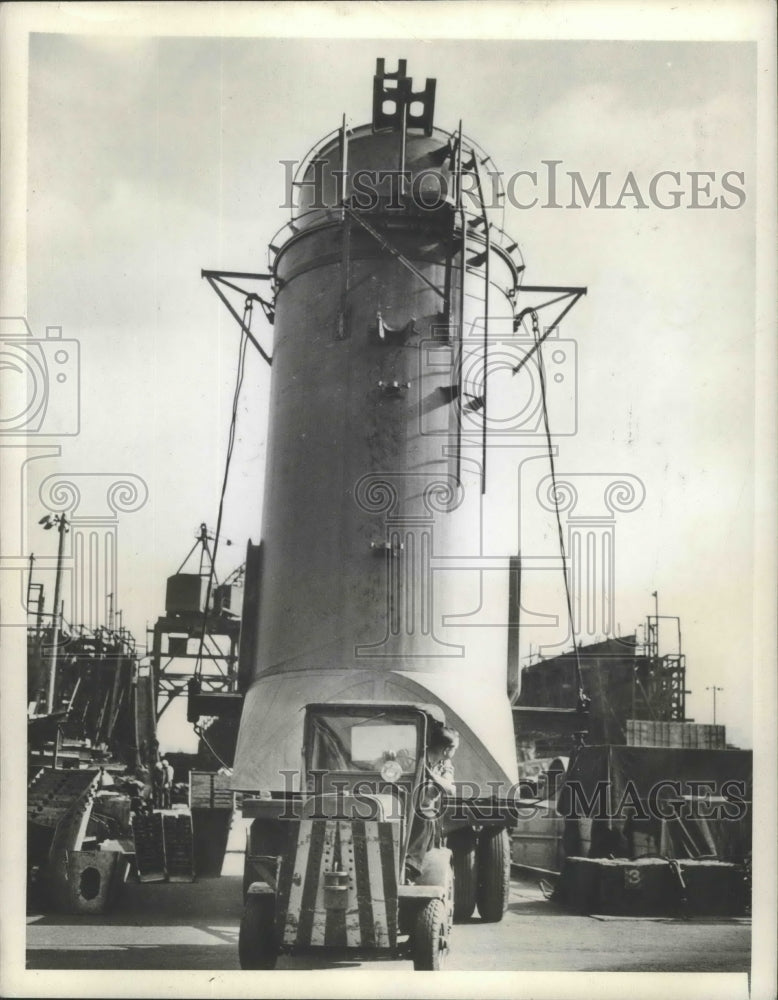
(29,578)
(714,690)
(48,522)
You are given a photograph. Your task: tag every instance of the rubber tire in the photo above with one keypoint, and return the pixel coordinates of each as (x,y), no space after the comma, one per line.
(256,946)
(247,872)
(430,937)
(494,874)
(465,877)
(247,879)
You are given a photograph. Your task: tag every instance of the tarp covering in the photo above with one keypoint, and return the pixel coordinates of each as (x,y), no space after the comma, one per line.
(631,801)
(271,728)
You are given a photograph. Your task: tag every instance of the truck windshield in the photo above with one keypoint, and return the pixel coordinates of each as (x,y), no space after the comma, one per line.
(363,743)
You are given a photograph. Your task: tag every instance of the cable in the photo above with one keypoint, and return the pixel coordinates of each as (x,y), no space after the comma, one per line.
(583,699)
(186,559)
(200,733)
(244,339)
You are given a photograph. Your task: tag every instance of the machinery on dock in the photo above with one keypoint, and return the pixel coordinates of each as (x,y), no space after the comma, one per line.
(90,725)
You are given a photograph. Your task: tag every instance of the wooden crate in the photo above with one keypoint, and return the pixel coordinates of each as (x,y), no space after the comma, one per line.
(208,790)
(179,849)
(682,735)
(641,887)
(149,847)
(715,888)
(652,887)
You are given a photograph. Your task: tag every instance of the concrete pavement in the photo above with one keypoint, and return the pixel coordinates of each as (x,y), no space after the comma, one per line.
(195,926)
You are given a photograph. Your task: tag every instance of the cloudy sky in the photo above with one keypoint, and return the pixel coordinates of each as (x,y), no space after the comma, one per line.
(153,157)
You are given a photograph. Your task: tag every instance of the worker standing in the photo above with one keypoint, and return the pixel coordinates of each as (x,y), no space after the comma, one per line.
(168,785)
(159,777)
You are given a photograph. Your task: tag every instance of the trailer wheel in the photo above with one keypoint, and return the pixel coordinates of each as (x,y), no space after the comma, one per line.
(430,937)
(494,874)
(256,947)
(465,877)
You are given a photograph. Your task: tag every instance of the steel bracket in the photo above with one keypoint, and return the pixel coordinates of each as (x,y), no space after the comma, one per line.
(393,388)
(394,334)
(388,548)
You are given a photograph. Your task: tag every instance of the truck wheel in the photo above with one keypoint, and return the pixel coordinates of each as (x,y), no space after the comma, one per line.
(256,947)
(494,874)
(247,878)
(430,937)
(247,867)
(465,877)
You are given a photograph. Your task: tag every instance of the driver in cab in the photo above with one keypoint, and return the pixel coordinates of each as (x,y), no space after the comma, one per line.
(442,744)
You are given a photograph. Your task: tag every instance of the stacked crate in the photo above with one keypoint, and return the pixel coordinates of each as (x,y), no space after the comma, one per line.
(213,805)
(179,850)
(163,846)
(208,790)
(149,847)
(684,735)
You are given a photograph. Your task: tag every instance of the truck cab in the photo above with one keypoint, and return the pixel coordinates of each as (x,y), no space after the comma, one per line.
(326,865)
